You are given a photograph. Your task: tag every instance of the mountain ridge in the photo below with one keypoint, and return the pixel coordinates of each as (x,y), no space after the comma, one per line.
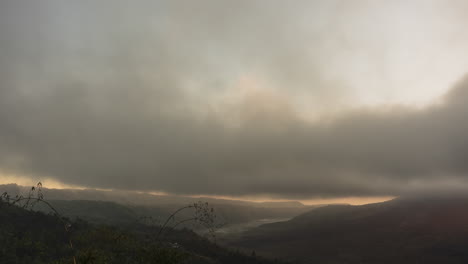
(405,230)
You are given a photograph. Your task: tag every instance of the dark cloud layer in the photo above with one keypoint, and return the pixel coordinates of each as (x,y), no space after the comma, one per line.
(117,96)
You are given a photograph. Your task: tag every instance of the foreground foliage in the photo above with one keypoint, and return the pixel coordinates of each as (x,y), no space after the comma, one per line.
(33,237)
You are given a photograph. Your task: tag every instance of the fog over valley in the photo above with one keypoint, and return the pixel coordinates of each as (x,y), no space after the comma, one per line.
(249,131)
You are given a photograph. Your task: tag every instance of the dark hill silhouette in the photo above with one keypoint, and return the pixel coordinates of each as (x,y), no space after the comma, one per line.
(404,230)
(34,237)
(122,206)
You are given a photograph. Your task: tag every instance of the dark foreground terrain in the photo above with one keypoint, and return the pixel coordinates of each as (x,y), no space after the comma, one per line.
(410,230)
(34,237)
(404,230)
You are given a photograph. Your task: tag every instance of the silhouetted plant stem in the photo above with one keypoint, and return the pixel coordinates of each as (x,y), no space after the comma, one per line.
(30,201)
(169,218)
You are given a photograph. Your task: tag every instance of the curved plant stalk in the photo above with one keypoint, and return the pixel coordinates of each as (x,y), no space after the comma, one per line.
(203,215)
(31,200)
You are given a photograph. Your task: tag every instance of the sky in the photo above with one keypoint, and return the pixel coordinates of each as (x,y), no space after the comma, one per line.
(278,99)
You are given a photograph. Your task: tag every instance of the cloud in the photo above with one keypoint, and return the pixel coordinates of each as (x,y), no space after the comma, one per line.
(202,99)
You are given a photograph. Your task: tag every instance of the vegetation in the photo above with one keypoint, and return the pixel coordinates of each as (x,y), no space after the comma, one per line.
(28,236)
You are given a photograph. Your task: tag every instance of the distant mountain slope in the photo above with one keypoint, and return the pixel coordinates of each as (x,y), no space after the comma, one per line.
(411,230)
(93,211)
(120,206)
(138,198)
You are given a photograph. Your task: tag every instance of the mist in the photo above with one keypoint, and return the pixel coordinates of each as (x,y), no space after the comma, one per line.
(292,101)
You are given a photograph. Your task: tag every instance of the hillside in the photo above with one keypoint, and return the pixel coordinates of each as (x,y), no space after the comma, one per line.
(405,230)
(34,237)
(124,207)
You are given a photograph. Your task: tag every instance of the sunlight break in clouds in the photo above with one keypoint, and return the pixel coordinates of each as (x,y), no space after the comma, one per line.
(304,100)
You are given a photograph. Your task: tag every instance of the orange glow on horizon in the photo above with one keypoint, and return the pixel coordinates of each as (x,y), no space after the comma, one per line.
(54,184)
(317,201)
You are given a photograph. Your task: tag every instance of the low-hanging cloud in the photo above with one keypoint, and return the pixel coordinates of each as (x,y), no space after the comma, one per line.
(109,101)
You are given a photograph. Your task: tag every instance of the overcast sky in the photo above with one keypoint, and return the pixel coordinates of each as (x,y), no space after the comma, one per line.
(284,99)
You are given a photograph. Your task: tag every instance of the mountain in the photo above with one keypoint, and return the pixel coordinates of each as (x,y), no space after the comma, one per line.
(404,230)
(138,198)
(288,204)
(117,207)
(93,211)
(36,238)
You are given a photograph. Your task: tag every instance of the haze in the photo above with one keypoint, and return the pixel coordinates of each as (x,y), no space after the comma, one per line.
(268,100)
